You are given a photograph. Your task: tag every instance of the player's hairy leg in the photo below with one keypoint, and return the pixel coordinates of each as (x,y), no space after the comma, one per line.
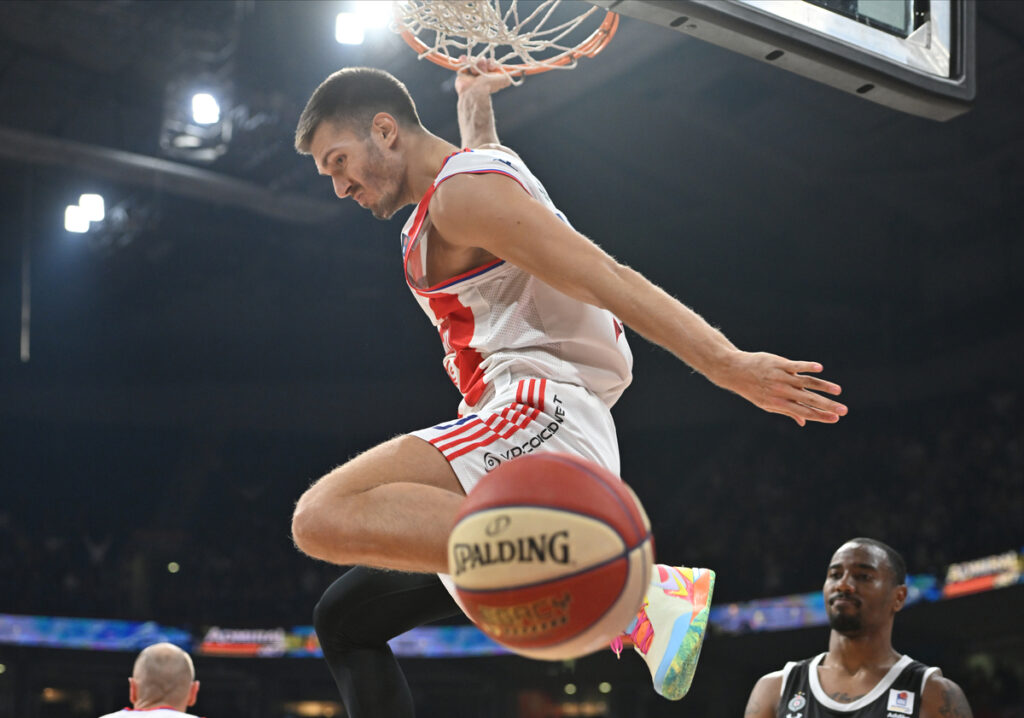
(390,507)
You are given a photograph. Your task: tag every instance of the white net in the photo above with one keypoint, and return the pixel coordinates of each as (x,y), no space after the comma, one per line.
(522,38)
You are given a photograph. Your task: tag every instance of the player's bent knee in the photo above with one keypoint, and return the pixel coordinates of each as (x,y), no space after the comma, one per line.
(309,530)
(325,530)
(302,533)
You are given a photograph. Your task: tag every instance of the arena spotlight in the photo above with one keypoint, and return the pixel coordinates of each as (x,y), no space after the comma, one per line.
(197,122)
(350,27)
(75,219)
(78,218)
(374,13)
(205,109)
(93,206)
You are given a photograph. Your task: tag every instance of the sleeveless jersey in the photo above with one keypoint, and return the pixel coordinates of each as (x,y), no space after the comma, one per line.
(897,695)
(498,321)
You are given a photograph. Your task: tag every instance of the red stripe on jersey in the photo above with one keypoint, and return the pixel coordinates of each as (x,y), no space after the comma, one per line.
(443,448)
(534,392)
(518,419)
(424,204)
(456,431)
(500,425)
(523,423)
(453,280)
(421,210)
(420,217)
(456,328)
(494,422)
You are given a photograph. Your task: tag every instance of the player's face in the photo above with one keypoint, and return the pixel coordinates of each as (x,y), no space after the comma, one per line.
(360,167)
(860,593)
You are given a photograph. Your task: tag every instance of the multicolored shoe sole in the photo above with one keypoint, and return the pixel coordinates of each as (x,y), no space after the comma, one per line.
(674,673)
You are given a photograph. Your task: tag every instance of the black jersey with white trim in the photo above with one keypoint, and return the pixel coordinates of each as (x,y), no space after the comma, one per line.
(897,695)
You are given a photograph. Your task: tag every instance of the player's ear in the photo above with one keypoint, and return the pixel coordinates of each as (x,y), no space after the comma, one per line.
(193,691)
(899,597)
(384,129)
(133,691)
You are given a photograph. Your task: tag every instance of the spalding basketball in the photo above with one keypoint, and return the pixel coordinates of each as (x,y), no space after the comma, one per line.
(551,555)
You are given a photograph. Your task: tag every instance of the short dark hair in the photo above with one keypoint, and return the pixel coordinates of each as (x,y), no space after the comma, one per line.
(896,563)
(351,97)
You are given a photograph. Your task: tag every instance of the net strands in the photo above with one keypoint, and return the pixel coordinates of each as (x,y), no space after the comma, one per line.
(520,46)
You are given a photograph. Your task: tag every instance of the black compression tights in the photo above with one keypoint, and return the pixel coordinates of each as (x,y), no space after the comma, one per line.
(354,620)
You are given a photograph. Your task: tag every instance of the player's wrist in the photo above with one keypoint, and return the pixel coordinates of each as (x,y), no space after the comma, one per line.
(723,365)
(471,98)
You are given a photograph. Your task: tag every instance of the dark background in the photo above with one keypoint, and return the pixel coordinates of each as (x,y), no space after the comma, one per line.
(193,370)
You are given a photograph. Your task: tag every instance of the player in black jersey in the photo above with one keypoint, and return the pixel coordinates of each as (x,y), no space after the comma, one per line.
(861,675)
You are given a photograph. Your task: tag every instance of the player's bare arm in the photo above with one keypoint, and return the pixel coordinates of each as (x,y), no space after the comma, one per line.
(494,213)
(764,697)
(943,698)
(474,86)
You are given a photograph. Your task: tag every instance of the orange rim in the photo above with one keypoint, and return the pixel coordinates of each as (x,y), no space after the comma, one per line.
(597,41)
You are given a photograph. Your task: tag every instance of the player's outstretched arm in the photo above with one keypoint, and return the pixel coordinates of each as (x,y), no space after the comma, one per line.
(943,698)
(493,212)
(475,85)
(764,697)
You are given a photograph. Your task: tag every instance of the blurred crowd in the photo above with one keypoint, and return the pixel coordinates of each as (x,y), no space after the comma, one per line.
(208,542)
(940,482)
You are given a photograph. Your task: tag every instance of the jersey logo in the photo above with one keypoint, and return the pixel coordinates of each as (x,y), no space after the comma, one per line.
(901,701)
(795,705)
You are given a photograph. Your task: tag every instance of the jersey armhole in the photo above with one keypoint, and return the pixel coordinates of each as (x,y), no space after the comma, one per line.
(929,672)
(790,665)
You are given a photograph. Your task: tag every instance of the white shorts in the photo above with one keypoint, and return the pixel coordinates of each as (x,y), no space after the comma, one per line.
(527,416)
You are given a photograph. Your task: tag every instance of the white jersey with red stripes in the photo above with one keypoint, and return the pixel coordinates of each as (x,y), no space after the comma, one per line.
(499,321)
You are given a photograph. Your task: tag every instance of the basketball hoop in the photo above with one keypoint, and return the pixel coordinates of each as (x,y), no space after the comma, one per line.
(444,30)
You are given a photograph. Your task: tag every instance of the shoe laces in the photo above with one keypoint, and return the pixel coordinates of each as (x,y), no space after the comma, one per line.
(616,645)
(639,633)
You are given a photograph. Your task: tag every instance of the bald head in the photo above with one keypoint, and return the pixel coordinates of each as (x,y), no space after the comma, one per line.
(163,675)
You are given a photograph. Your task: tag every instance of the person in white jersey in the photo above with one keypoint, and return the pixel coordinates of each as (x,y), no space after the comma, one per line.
(163,683)
(530,314)
(861,675)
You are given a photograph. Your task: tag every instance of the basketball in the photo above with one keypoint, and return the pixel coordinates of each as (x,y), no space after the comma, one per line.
(551,555)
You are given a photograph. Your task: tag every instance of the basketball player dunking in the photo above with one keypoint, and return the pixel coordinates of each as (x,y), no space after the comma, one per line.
(529,313)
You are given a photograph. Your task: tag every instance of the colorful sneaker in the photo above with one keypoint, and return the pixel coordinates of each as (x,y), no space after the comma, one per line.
(669,629)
